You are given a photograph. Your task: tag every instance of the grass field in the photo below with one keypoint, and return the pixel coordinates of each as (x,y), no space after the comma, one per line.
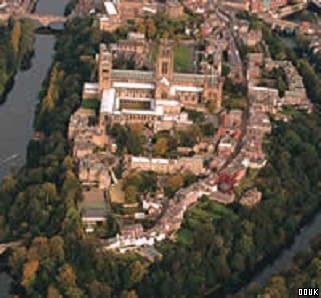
(93,199)
(116,193)
(204,212)
(183,58)
(91,104)
(246,183)
(201,214)
(134,105)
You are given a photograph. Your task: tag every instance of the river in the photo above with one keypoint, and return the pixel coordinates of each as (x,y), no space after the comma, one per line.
(17,113)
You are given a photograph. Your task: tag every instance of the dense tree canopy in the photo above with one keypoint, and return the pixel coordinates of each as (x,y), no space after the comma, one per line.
(16,49)
(304,272)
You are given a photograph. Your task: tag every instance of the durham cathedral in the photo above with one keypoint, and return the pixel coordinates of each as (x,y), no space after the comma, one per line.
(154,98)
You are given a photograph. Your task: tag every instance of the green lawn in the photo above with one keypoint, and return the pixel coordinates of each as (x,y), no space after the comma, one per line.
(185,237)
(246,183)
(205,212)
(91,104)
(183,58)
(134,105)
(93,205)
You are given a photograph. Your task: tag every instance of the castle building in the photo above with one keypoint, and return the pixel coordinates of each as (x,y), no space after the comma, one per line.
(168,166)
(153,97)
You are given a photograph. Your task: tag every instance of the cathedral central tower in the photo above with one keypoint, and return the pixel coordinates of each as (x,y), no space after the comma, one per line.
(165,60)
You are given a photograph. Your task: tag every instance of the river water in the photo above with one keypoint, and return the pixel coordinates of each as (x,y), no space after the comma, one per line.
(17,113)
(55,7)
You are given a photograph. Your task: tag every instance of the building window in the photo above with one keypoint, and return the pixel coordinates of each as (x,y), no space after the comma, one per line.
(164,68)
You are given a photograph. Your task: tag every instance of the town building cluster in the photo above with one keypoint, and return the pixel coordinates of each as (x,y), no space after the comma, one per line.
(219,186)
(312,35)
(17,6)
(157,97)
(248,151)
(87,138)
(154,98)
(267,100)
(116,13)
(265,6)
(113,14)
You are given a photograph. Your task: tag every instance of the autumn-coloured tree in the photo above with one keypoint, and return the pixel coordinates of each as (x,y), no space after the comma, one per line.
(99,289)
(174,183)
(8,185)
(161,147)
(129,294)
(150,28)
(42,246)
(140,27)
(130,193)
(29,272)
(276,288)
(66,277)
(137,128)
(52,96)
(53,292)
(56,245)
(17,260)
(16,35)
(137,270)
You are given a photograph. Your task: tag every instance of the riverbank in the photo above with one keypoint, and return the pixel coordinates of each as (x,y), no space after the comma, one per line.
(275,263)
(21,92)
(304,272)
(18,111)
(16,52)
(7,88)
